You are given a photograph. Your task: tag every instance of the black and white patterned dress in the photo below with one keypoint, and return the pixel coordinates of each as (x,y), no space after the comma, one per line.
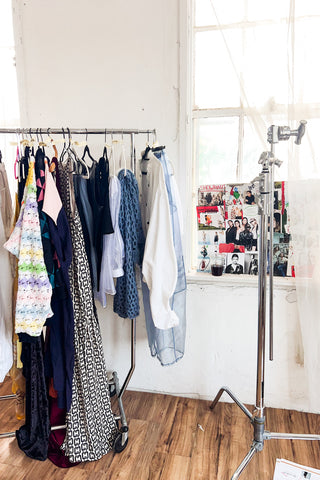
(91,428)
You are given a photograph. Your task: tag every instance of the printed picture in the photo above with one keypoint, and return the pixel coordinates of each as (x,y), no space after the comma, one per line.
(234,212)
(244,194)
(203,259)
(233,195)
(280,259)
(211,238)
(243,232)
(278,186)
(211,195)
(251,263)
(235,263)
(210,218)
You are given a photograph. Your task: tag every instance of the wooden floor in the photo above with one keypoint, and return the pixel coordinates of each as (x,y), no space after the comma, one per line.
(173,438)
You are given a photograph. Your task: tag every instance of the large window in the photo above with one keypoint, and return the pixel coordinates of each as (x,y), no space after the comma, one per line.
(255,64)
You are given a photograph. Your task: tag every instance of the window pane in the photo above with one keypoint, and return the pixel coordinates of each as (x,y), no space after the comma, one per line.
(306,67)
(286,151)
(265,74)
(272,9)
(216,150)
(252,149)
(216,82)
(205,14)
(307,7)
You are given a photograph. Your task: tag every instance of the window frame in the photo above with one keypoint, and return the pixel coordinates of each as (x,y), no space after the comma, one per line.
(190,114)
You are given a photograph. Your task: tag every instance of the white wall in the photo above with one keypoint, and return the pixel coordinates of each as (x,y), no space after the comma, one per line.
(101,63)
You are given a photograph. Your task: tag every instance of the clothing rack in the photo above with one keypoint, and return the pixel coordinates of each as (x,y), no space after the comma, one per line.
(121,440)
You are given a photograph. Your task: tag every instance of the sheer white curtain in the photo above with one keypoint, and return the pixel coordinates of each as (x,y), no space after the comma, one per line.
(273,49)
(9,102)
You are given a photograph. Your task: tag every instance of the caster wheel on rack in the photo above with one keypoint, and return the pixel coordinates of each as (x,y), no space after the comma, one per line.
(118,447)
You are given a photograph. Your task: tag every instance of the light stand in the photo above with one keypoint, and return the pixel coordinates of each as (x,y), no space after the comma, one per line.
(266,207)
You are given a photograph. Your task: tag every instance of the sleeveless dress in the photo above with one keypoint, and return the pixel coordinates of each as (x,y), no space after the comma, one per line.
(91,428)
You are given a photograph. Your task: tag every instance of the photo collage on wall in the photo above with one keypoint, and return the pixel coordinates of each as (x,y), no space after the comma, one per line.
(229,225)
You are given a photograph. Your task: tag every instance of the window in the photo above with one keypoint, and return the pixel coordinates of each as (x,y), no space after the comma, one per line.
(254,65)
(9,102)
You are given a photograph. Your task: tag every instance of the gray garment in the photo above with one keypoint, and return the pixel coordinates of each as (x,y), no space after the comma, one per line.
(87,211)
(91,428)
(6,349)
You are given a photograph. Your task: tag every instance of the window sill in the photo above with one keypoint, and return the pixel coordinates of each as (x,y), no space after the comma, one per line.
(229,280)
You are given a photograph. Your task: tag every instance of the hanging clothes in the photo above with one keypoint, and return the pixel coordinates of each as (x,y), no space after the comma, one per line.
(34,289)
(59,355)
(113,247)
(126,300)
(23,173)
(33,437)
(159,268)
(6,277)
(87,223)
(169,344)
(98,192)
(18,380)
(91,428)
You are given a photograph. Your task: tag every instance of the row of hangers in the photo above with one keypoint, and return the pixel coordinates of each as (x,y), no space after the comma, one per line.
(81,164)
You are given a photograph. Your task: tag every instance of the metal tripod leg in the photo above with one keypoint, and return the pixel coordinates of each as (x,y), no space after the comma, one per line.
(234,398)
(253,450)
(290,436)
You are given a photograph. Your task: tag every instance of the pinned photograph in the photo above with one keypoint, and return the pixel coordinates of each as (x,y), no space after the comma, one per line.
(235,263)
(251,263)
(210,218)
(235,212)
(203,259)
(280,259)
(211,195)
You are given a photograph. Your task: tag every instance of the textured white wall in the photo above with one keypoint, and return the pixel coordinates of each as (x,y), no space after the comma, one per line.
(101,63)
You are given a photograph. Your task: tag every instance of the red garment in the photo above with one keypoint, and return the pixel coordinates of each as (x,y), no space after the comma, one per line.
(230,248)
(56,438)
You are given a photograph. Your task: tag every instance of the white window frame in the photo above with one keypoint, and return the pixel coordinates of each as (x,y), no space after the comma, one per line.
(188,166)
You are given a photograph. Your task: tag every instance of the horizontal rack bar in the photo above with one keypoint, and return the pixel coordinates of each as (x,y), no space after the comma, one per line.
(76,131)
(7,397)
(13,434)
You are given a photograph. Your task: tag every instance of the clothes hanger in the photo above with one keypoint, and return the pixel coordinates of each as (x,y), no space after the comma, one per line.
(84,169)
(86,151)
(64,149)
(52,141)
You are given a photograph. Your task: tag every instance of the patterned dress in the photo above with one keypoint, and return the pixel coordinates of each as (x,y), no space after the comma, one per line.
(91,428)
(34,289)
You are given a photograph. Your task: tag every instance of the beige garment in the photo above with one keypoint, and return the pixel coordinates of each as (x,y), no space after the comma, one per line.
(5,201)
(6,350)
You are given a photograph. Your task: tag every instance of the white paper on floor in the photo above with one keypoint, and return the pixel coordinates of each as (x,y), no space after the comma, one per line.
(286,470)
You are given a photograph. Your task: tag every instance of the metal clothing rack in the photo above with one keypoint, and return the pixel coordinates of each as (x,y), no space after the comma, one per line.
(121,439)
(266,206)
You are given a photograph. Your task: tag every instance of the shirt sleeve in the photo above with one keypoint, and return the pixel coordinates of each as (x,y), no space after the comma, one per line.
(159,267)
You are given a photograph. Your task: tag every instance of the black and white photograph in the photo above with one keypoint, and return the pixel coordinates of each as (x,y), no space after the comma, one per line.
(235,263)
(251,263)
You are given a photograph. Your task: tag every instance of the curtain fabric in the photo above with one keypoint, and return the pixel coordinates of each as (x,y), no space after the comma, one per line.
(276,71)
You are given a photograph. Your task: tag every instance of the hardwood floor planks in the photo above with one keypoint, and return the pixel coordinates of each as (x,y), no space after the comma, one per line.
(173,438)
